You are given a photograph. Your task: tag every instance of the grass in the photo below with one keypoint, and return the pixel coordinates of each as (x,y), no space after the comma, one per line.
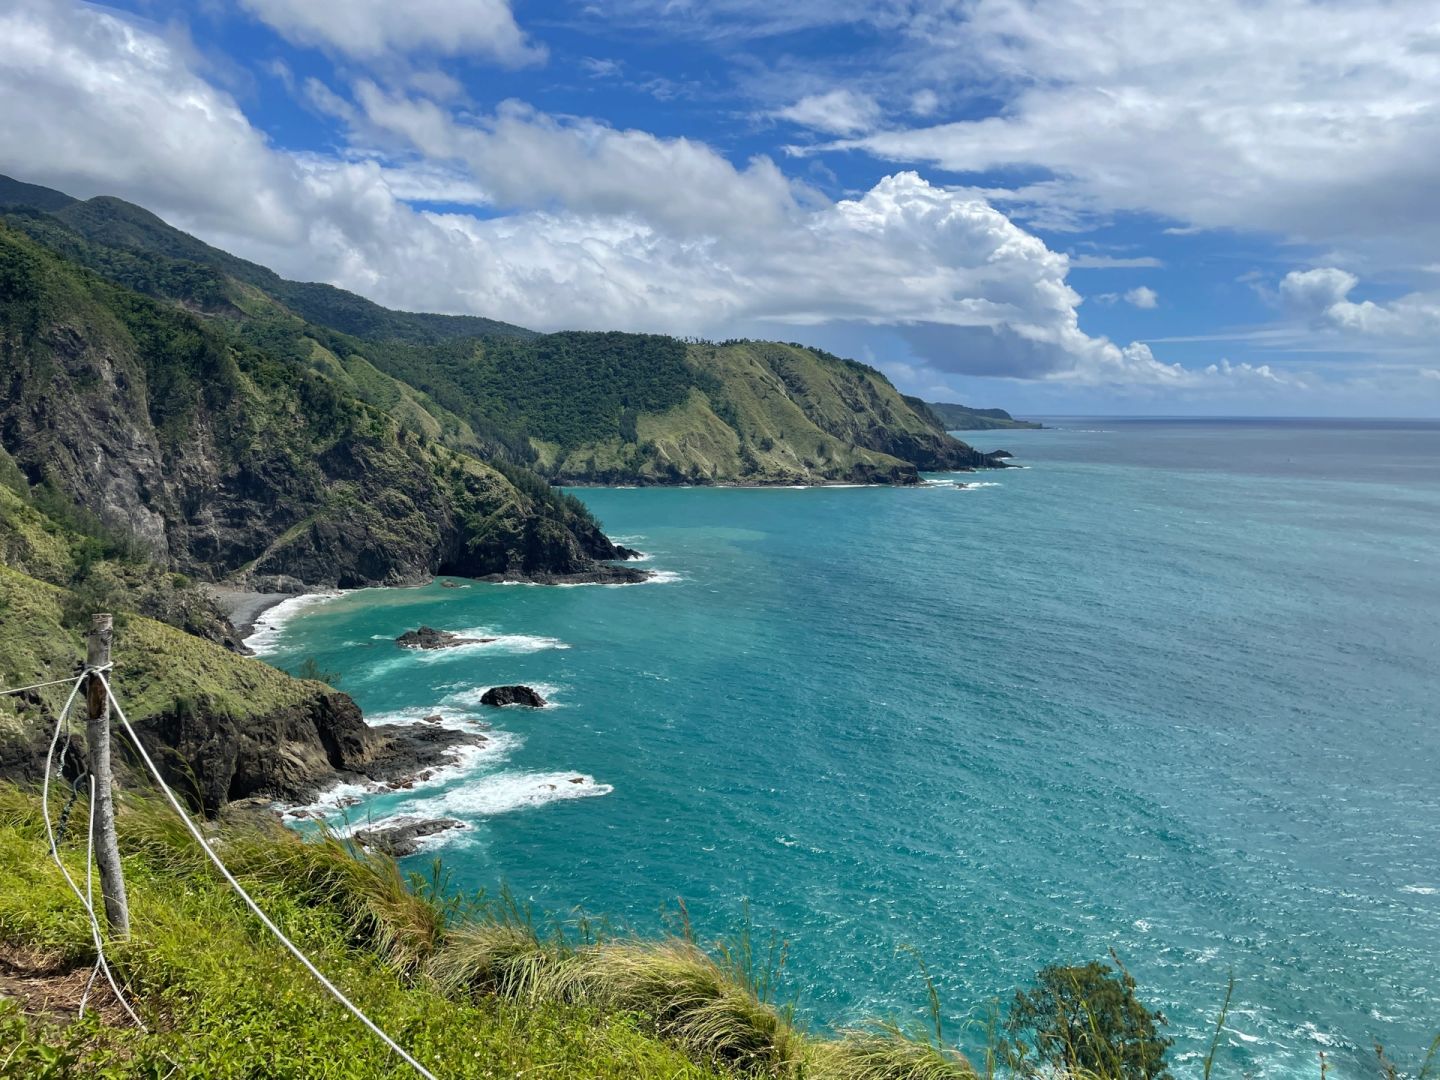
(470,986)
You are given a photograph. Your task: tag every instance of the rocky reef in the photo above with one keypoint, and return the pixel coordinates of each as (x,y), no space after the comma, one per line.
(427,637)
(499,696)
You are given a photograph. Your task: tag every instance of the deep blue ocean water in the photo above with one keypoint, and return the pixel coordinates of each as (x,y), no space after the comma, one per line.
(1171,690)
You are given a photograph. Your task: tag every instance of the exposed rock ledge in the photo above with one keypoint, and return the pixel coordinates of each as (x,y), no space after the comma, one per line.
(602,574)
(290,754)
(427,637)
(403,837)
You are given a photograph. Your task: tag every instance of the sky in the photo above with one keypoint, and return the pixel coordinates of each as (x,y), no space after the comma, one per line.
(1067,206)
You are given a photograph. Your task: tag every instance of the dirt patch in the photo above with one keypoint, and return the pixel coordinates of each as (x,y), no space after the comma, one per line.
(53,991)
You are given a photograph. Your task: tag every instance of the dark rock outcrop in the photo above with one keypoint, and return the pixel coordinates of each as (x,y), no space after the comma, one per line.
(403,838)
(290,754)
(598,575)
(427,637)
(512,695)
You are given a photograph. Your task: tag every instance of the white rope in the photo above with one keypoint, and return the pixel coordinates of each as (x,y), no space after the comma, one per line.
(249,901)
(38,685)
(89,885)
(55,849)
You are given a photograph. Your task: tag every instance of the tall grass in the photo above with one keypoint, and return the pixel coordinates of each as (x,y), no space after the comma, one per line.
(429,963)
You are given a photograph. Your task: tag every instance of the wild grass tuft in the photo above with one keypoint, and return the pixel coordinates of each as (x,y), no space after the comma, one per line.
(885,1052)
(684,995)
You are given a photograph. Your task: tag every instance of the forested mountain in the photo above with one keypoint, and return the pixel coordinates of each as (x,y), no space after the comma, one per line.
(221,459)
(575,407)
(964,418)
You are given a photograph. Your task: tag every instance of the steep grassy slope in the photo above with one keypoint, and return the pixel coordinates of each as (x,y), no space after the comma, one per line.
(580,407)
(470,989)
(636,408)
(223,458)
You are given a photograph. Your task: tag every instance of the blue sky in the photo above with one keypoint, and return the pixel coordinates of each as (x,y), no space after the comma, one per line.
(1068,206)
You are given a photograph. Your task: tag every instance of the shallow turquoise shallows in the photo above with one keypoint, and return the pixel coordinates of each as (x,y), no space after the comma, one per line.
(1171,690)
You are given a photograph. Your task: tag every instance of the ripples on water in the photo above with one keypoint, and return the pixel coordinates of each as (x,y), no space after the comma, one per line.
(1171,690)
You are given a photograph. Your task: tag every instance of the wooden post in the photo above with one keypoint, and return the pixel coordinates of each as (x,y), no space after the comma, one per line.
(97,742)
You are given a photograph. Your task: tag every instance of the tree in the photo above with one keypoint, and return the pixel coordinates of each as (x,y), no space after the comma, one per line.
(1085,1020)
(310,669)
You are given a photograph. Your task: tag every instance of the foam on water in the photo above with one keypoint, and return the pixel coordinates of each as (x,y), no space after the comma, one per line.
(269,627)
(499,793)
(470,696)
(344,804)
(1019,729)
(495,643)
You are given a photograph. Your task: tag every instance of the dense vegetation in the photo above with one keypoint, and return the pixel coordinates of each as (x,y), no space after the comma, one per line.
(568,388)
(579,407)
(223,454)
(963,418)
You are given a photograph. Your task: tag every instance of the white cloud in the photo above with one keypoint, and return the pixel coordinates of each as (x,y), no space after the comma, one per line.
(375,29)
(596,227)
(1112,262)
(528,159)
(108,107)
(1314,119)
(836,112)
(1142,296)
(924,102)
(1323,295)
(601,68)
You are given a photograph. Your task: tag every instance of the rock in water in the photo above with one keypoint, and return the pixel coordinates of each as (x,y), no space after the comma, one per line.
(512,695)
(427,637)
(403,839)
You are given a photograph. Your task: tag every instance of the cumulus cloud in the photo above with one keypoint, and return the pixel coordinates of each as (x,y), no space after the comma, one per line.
(375,29)
(836,112)
(1323,296)
(1313,119)
(1142,296)
(589,225)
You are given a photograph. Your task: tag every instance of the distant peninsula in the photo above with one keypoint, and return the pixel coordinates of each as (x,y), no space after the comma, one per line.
(964,418)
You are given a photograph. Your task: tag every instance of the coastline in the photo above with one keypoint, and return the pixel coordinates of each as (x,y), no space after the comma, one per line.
(244,607)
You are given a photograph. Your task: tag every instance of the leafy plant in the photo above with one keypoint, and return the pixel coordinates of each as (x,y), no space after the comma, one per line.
(1088,1020)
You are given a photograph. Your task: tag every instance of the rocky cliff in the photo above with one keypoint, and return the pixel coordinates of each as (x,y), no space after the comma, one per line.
(600,407)
(221,727)
(225,461)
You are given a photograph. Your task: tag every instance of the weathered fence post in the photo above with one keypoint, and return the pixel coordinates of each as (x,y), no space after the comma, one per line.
(97,742)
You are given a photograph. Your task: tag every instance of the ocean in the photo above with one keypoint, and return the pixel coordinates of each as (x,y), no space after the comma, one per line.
(1170,690)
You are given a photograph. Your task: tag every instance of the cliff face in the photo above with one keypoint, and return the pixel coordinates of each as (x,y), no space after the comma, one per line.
(577,407)
(761,412)
(221,727)
(225,461)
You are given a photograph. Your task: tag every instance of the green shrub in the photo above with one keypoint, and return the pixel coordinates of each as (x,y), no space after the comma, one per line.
(1085,1020)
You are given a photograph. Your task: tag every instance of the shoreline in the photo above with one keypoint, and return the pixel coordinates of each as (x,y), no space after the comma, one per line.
(244,607)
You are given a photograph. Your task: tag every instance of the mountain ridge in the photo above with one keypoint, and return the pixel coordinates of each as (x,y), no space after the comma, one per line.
(577,407)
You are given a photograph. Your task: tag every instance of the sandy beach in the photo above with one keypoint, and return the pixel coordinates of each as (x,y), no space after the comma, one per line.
(243,607)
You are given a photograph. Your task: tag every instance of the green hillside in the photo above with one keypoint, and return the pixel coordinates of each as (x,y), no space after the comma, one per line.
(577,407)
(222,458)
(963,418)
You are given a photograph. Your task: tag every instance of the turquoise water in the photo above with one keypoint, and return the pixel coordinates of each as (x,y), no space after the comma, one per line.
(1171,690)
